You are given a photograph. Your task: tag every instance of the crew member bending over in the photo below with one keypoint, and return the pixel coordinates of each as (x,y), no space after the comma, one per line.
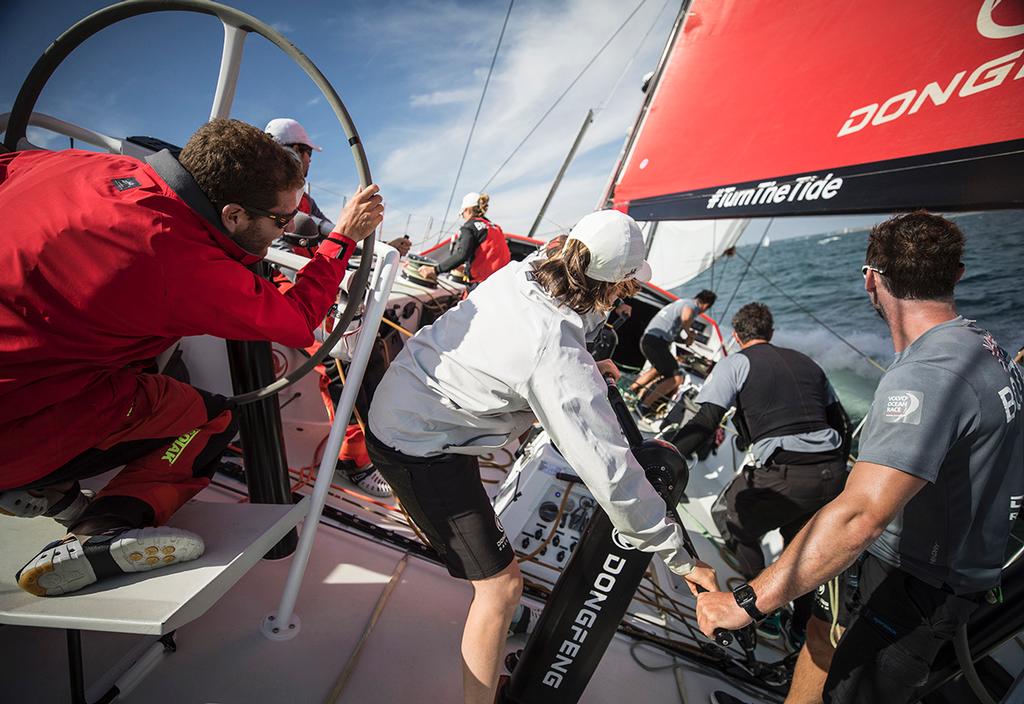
(663,331)
(789,416)
(479,247)
(107,262)
(513,352)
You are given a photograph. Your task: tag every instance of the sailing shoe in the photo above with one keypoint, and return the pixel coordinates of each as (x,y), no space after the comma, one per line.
(771,627)
(68,565)
(371,481)
(63,506)
(524,621)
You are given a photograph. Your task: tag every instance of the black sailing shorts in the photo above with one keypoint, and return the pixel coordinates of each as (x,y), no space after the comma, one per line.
(446,499)
(659,353)
(895,626)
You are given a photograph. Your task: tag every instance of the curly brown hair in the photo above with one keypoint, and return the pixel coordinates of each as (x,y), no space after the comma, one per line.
(918,254)
(234,162)
(563,275)
(753,321)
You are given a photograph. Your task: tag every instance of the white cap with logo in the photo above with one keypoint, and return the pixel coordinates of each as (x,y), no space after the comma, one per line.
(285,130)
(616,246)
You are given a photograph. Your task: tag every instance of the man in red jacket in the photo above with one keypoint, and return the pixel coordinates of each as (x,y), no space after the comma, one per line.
(105,262)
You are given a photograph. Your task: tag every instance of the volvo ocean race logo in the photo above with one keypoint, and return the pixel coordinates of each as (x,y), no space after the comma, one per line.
(903,407)
(989,28)
(990,74)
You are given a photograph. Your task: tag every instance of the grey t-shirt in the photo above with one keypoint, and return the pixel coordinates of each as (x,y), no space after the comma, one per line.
(668,322)
(948,410)
(722,388)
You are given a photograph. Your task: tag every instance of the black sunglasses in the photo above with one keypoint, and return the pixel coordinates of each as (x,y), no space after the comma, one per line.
(280,220)
(302,149)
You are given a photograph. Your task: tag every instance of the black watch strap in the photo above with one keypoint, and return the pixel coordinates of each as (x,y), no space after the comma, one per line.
(747,600)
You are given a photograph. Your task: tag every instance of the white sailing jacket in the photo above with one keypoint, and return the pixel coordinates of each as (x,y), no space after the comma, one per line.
(486,369)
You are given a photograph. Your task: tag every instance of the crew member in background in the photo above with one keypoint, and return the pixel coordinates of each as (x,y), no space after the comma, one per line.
(291,134)
(932,499)
(108,261)
(663,331)
(513,352)
(797,432)
(479,247)
(303,236)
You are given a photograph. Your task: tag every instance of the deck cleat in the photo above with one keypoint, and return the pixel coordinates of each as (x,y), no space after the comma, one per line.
(68,565)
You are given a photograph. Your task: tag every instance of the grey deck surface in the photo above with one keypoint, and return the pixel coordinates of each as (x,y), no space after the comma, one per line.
(236,536)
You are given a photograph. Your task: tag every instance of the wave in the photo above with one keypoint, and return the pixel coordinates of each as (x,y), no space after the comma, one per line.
(830,352)
(853,377)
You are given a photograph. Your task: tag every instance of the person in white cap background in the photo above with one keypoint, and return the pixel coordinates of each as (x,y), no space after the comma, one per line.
(479,247)
(292,135)
(513,352)
(303,235)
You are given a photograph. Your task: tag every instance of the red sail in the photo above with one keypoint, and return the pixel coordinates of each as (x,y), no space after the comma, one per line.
(768,108)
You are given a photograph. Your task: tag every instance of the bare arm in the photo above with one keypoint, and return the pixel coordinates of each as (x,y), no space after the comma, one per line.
(688,316)
(828,544)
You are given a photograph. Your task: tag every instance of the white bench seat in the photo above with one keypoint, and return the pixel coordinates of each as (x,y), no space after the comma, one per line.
(149,603)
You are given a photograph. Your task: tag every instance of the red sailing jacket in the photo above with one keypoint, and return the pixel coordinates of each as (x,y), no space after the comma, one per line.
(103,266)
(491,254)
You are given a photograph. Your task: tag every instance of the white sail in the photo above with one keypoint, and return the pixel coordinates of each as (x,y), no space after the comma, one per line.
(679,250)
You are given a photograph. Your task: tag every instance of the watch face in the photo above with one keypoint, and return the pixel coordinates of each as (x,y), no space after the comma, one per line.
(744,594)
(745,598)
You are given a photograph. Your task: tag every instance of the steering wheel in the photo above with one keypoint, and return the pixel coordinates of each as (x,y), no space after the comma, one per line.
(237,26)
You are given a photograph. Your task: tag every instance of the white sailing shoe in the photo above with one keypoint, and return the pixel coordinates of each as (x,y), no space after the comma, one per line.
(372,482)
(62,506)
(68,565)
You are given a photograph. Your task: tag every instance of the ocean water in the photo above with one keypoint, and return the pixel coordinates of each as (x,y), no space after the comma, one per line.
(822,273)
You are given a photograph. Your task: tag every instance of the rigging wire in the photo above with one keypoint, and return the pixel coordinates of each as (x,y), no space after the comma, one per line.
(629,64)
(564,93)
(479,106)
(819,321)
(744,274)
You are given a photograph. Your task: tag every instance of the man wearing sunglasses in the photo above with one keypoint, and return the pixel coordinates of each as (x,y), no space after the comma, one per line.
(108,261)
(919,534)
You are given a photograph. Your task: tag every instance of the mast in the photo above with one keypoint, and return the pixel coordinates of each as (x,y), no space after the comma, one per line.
(561,172)
(649,90)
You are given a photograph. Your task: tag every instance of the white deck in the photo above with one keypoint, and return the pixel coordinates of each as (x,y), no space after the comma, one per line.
(412,654)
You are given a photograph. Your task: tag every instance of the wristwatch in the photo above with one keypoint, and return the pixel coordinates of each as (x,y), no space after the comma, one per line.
(747,600)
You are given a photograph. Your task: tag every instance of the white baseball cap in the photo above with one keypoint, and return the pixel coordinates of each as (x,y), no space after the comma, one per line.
(470,200)
(616,246)
(287,131)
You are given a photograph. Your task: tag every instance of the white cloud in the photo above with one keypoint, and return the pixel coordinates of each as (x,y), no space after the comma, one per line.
(282,27)
(444,97)
(544,48)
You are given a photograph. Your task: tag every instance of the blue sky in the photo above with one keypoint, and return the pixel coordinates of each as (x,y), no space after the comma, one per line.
(410,74)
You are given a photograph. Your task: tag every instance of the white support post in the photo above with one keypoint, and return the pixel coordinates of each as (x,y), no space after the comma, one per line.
(284,624)
(230,63)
